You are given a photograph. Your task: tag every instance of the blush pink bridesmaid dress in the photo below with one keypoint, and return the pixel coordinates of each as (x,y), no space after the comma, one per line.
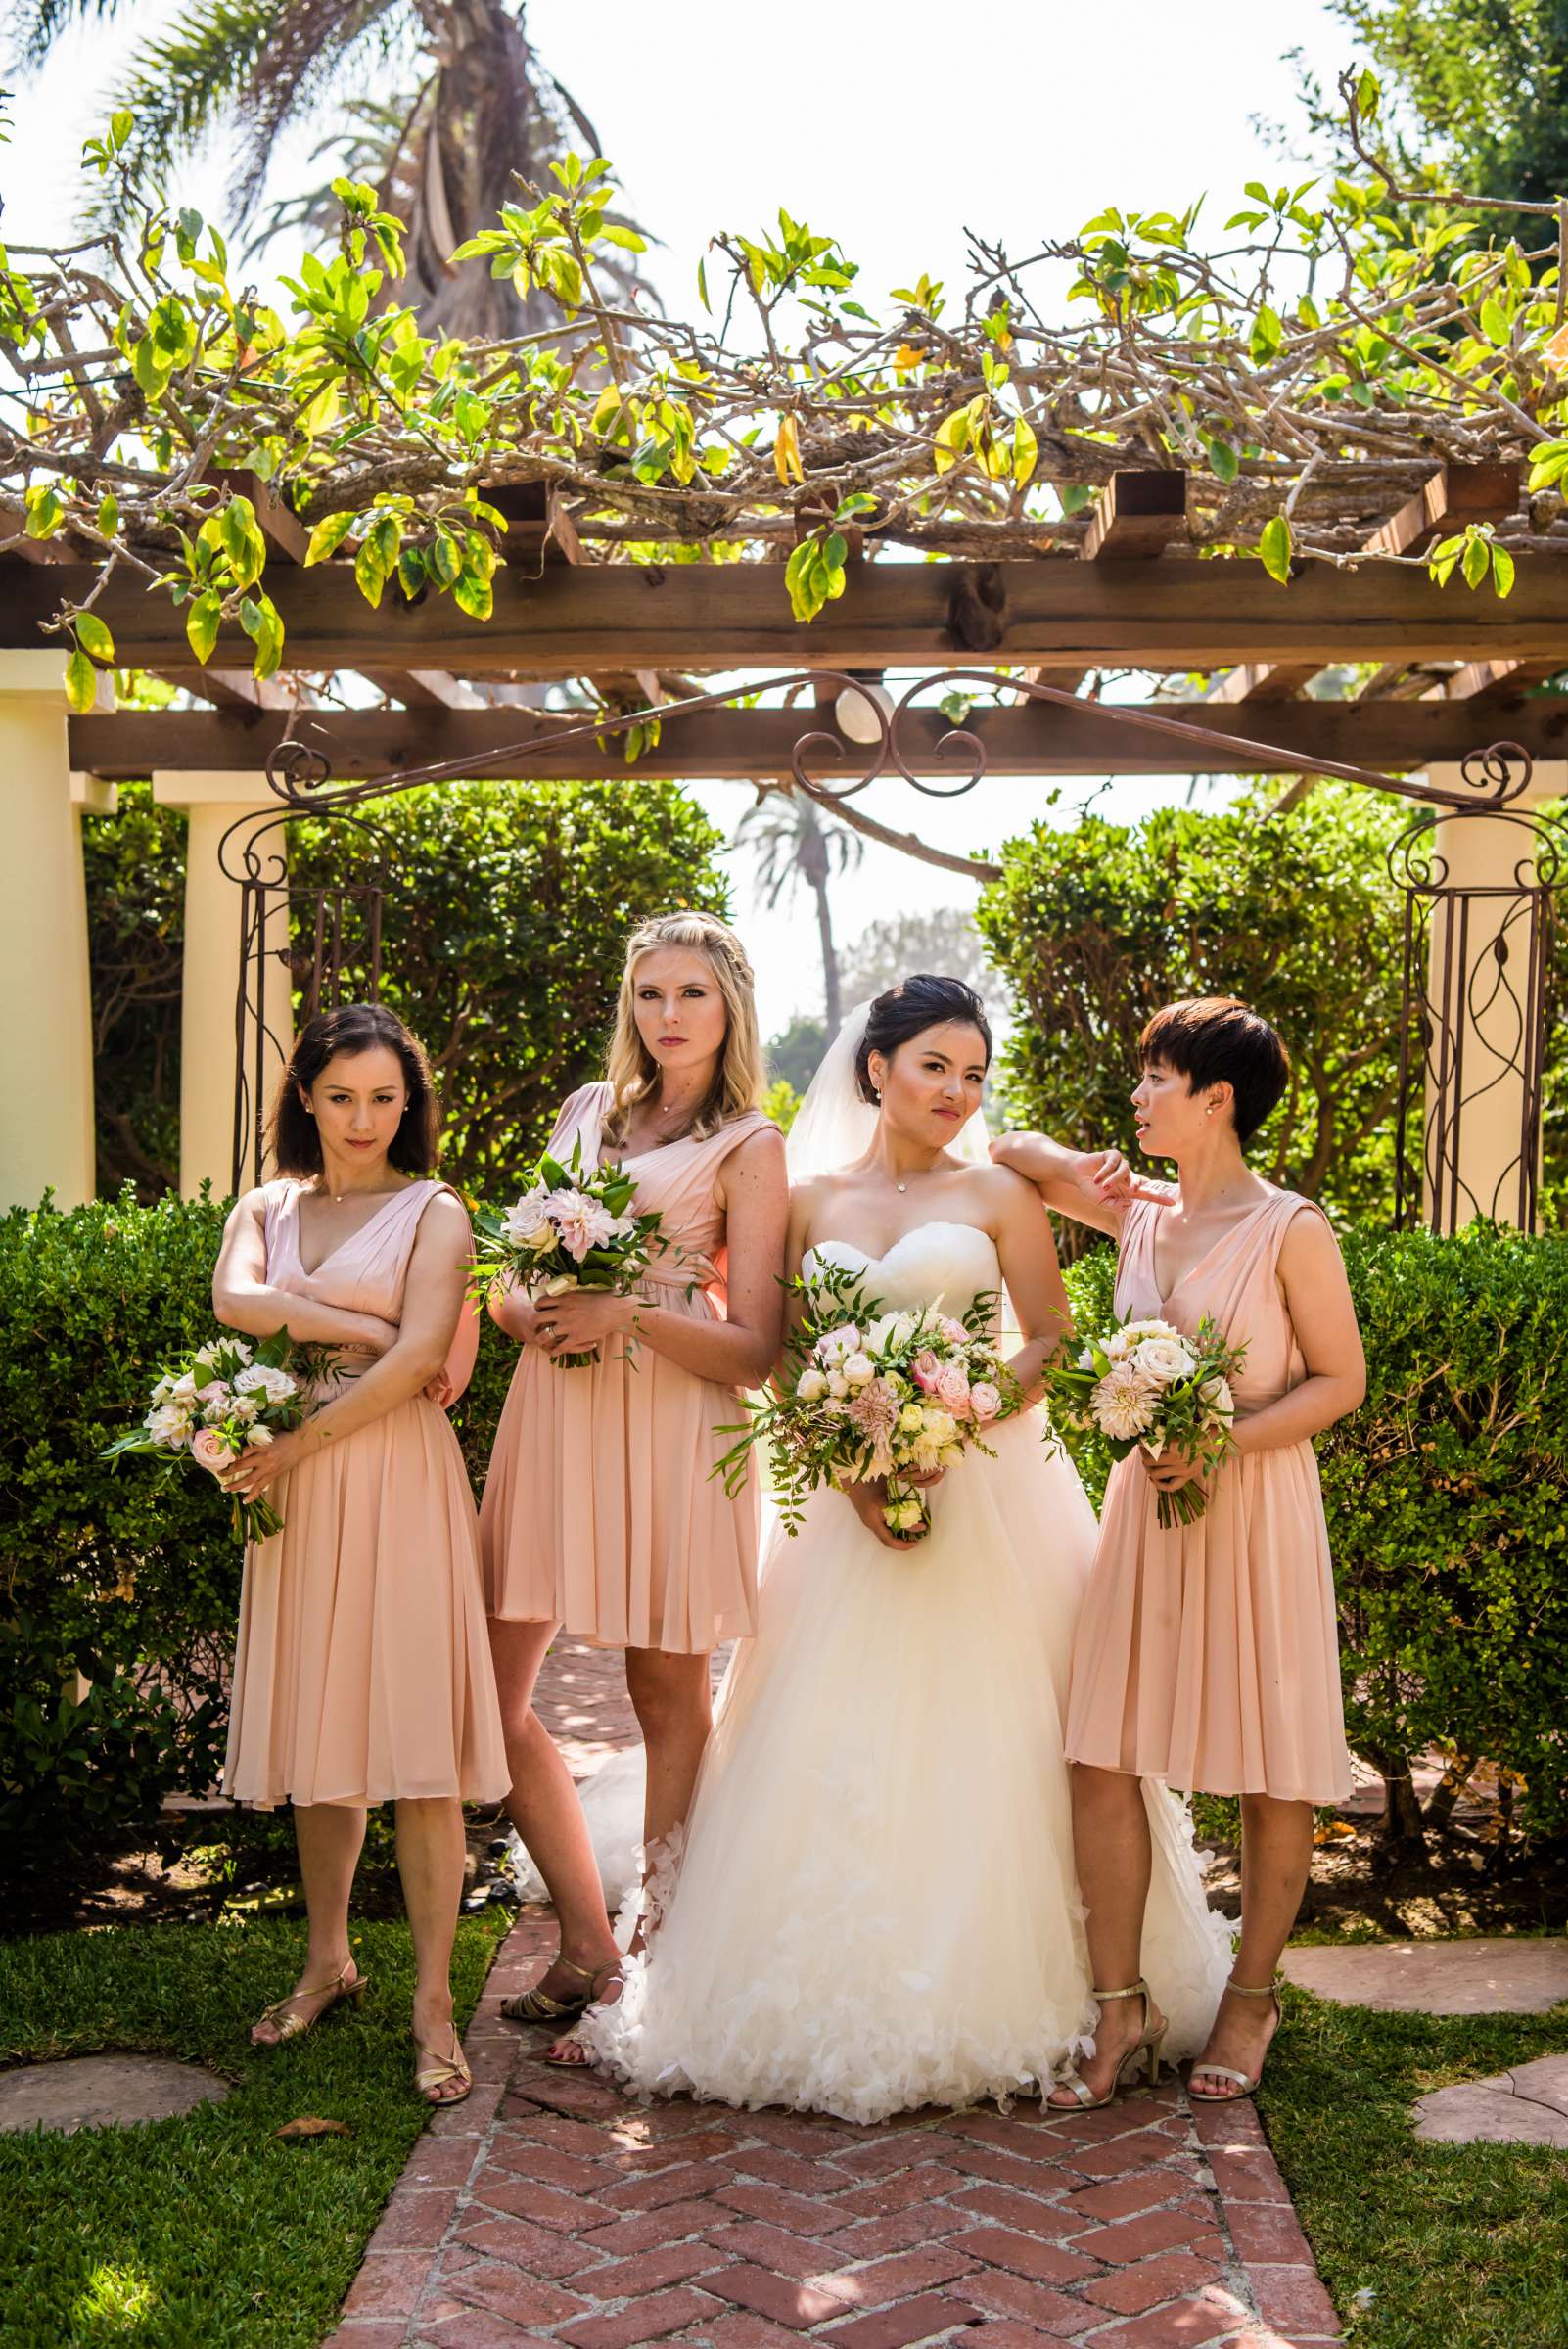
(1208,1655)
(363,1672)
(601,1511)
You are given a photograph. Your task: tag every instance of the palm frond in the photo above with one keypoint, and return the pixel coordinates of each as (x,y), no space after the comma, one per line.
(36,24)
(181,86)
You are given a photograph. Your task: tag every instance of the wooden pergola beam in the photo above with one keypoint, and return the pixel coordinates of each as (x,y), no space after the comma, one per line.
(1500,681)
(577,620)
(1394,737)
(1268,681)
(1455,496)
(1139,515)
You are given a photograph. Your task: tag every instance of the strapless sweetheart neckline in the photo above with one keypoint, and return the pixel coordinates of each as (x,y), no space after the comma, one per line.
(919,1231)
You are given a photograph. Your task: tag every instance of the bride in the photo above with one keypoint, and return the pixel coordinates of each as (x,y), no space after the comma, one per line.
(874,1906)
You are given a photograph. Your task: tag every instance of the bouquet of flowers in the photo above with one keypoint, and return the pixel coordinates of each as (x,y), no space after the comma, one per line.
(1144,1383)
(214,1403)
(568,1231)
(871,1393)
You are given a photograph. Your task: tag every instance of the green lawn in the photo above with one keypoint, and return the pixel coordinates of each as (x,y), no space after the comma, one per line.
(196,2233)
(1461,2246)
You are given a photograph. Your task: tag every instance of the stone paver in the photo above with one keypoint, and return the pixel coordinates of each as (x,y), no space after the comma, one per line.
(1527,2106)
(1504,1977)
(548,2208)
(104,2092)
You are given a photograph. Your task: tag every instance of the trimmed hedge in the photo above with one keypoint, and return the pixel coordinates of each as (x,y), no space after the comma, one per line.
(1447,1496)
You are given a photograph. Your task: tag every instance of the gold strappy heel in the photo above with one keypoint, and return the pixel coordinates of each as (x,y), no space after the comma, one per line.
(1247,2083)
(292,2025)
(1149,2043)
(543,2007)
(583,2059)
(438,2070)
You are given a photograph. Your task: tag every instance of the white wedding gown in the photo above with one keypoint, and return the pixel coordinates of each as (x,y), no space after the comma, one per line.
(875,1907)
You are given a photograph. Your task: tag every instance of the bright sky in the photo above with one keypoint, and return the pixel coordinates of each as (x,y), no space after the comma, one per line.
(893,127)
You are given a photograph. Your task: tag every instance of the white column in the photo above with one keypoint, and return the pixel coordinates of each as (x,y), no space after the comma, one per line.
(210,1027)
(46,1047)
(1479,1007)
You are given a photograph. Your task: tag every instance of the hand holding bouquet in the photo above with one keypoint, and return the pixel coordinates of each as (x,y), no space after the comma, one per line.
(870,1394)
(225,1398)
(568,1231)
(1143,1382)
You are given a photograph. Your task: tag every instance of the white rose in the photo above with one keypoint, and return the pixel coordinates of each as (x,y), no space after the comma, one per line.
(859,1370)
(911,1418)
(837,1383)
(941,1427)
(169,1426)
(276,1385)
(906,1516)
(810,1384)
(834,1343)
(184,1389)
(1149,1329)
(1216,1393)
(1166,1360)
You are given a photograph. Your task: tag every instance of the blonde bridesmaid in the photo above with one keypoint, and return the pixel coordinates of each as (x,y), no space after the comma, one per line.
(362,1672)
(1207,1656)
(601,1514)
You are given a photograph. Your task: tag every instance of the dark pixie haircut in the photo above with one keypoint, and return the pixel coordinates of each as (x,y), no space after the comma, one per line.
(908,1010)
(353,1029)
(1218,1039)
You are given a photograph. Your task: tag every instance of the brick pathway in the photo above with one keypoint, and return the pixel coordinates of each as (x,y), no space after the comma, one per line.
(550,2209)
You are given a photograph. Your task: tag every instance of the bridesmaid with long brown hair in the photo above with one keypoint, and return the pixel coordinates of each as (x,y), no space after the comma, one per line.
(601,1515)
(362,1672)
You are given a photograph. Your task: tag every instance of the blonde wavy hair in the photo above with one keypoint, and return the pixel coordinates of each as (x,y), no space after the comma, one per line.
(632,1071)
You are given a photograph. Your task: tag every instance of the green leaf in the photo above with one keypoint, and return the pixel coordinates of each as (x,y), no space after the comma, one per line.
(201,624)
(45,510)
(612,233)
(1274,548)
(1476,560)
(1369,94)
(1495,323)
(327,537)
(1267,336)
(1501,571)
(109,515)
(81,680)
(1223,462)
(474,595)
(94,637)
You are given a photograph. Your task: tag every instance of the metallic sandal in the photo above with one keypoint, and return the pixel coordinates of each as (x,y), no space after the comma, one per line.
(293,2026)
(438,2070)
(539,2006)
(1246,2081)
(585,2061)
(1149,2044)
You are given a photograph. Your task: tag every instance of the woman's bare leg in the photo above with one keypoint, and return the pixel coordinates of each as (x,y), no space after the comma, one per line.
(430,1862)
(673,1699)
(1115,1862)
(544,1809)
(329,1836)
(1276,1852)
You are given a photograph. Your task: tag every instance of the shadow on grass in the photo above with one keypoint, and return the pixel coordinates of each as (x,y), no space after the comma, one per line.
(202,2231)
(1460,2246)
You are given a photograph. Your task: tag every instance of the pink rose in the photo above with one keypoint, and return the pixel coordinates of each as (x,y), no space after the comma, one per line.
(984,1400)
(925,1369)
(209,1451)
(954,1331)
(952,1387)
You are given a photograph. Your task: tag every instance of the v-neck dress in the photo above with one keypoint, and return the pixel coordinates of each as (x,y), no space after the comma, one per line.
(1208,1655)
(363,1671)
(601,1511)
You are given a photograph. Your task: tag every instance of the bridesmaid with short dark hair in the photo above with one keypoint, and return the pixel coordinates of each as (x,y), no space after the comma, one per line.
(362,1672)
(1206,1654)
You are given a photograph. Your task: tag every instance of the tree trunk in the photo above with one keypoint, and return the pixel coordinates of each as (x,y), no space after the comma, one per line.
(831,1003)
(1403,1822)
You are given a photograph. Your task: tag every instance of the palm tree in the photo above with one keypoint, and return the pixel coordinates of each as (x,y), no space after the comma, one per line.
(468,111)
(786,834)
